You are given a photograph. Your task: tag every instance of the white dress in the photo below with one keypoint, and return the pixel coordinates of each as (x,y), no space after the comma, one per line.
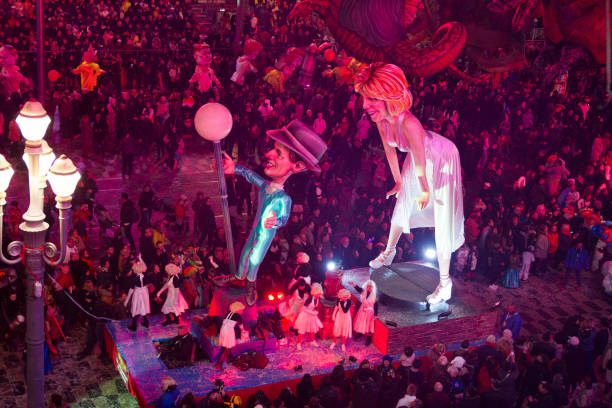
(227,335)
(175,302)
(444,211)
(139,295)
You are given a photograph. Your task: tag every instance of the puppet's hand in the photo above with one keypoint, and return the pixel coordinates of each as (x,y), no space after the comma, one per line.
(228,164)
(270,221)
(422,200)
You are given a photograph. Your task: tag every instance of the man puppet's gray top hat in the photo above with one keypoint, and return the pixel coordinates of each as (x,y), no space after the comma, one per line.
(301,139)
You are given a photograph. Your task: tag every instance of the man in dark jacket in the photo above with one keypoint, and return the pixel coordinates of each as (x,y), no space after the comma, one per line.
(206,222)
(127,216)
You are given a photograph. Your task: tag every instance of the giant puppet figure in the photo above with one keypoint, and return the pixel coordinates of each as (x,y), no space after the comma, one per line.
(11,80)
(245,63)
(428,188)
(203,75)
(89,70)
(297,148)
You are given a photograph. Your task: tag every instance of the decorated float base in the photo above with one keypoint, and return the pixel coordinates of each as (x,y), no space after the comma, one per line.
(398,325)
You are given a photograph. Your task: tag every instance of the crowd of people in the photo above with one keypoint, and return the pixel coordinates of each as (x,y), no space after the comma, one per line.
(533,162)
(505,371)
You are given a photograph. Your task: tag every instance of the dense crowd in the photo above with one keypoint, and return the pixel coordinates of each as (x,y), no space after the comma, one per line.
(533,161)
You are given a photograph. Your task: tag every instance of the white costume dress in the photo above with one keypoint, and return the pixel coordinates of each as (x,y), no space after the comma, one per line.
(364,320)
(139,294)
(175,302)
(227,335)
(444,211)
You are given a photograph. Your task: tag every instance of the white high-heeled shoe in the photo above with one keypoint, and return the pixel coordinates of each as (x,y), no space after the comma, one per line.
(441,294)
(385,258)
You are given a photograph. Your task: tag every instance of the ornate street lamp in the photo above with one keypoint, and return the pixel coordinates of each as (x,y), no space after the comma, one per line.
(63,178)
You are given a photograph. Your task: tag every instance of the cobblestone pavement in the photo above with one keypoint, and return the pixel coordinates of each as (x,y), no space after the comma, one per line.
(90,383)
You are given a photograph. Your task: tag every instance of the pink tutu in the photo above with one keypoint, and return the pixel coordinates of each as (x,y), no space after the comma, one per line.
(343,325)
(308,321)
(364,321)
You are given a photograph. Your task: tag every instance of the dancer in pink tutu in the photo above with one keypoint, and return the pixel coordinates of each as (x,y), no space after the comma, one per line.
(230,330)
(308,319)
(343,324)
(364,320)
(175,303)
(298,293)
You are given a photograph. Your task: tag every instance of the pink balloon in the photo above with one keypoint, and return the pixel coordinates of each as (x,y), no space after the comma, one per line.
(213,121)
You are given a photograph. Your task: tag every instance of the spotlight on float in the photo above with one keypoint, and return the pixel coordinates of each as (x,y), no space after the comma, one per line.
(332,266)
(430,253)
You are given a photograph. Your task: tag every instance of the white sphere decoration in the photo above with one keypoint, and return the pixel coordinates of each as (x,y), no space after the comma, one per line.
(213,121)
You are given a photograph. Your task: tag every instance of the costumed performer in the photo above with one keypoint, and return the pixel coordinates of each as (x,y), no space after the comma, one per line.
(89,70)
(203,75)
(244,63)
(11,80)
(428,189)
(296,149)
(303,270)
(139,294)
(298,294)
(308,319)
(343,323)
(364,319)
(230,331)
(175,303)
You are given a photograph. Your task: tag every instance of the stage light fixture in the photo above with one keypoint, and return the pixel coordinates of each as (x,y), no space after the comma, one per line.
(331,266)
(271,297)
(280,295)
(430,253)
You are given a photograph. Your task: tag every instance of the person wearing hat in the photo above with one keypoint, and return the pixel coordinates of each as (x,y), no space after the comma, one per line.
(175,303)
(364,320)
(343,324)
(230,331)
(297,148)
(428,187)
(308,319)
(139,294)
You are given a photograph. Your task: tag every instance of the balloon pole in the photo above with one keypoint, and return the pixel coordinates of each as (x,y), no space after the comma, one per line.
(226,215)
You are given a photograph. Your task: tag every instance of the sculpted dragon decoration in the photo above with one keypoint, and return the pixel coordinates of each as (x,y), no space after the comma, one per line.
(426,36)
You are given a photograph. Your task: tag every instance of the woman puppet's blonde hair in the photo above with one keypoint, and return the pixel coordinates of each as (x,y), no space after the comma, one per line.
(386,82)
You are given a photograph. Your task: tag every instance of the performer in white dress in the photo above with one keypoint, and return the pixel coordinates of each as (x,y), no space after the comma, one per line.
(175,303)
(308,320)
(343,322)
(364,319)
(230,330)
(428,188)
(139,295)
